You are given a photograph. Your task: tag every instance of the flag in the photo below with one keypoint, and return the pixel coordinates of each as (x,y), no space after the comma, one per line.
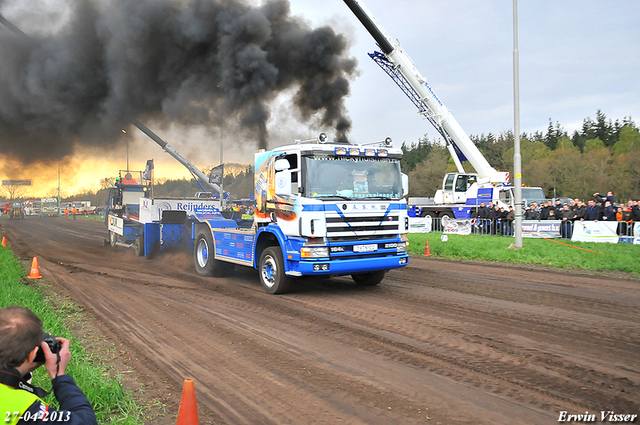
(147,171)
(215,175)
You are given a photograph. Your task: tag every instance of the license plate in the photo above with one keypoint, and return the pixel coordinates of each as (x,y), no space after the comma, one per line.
(365,248)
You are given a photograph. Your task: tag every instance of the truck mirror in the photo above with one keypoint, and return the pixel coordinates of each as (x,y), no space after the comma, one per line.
(283,181)
(405,184)
(282,164)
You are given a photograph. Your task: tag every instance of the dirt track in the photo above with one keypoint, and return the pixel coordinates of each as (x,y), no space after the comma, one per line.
(437,342)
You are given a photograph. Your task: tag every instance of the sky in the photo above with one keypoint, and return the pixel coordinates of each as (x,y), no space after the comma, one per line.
(575,57)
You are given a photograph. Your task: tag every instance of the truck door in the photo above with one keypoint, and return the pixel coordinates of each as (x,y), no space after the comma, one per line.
(447,188)
(461,186)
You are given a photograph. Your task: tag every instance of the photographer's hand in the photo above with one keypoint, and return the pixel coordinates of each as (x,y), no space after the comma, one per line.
(55,368)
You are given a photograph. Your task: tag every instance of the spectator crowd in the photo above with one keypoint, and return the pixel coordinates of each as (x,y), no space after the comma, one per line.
(601,207)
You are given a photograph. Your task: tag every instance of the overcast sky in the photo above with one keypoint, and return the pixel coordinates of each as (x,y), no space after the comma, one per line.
(575,57)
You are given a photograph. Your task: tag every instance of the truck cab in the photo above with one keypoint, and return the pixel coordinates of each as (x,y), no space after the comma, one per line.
(123,203)
(455,187)
(322,209)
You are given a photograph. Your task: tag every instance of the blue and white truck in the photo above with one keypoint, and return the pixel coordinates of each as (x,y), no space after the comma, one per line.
(322,209)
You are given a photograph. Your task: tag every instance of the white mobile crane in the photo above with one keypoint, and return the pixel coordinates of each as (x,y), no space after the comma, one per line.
(461,191)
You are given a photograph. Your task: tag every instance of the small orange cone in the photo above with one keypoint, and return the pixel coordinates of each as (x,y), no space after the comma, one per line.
(35,270)
(188,412)
(427,251)
(4,241)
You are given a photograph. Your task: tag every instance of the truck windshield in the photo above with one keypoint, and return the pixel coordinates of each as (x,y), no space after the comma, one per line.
(352,178)
(531,194)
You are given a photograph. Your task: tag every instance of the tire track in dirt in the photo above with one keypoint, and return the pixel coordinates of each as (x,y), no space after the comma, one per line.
(509,346)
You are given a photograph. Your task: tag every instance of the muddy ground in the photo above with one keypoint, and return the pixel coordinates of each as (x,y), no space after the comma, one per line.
(438,342)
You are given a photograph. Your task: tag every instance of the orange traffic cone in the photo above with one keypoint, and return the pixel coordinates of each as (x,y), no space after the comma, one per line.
(35,270)
(4,241)
(427,251)
(188,412)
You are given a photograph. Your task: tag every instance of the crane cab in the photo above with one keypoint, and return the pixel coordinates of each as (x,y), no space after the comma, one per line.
(455,188)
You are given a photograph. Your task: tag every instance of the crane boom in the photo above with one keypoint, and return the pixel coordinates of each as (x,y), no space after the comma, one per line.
(397,63)
(174,153)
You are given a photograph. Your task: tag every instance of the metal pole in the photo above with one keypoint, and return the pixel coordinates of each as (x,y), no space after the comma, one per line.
(517,158)
(127,139)
(221,162)
(58,188)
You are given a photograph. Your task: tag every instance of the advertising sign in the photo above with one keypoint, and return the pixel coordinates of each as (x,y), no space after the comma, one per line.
(595,231)
(420,224)
(541,228)
(456,227)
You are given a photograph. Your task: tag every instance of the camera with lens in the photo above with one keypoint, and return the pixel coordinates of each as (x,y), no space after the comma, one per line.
(54,346)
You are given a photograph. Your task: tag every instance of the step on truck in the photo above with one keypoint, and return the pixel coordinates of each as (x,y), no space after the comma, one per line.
(322,209)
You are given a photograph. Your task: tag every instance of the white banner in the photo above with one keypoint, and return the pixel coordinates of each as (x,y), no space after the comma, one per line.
(595,231)
(420,224)
(457,227)
(636,233)
(541,228)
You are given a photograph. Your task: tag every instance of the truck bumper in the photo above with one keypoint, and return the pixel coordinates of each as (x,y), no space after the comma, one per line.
(346,266)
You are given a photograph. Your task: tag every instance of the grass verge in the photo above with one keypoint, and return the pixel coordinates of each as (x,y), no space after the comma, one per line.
(559,253)
(103,387)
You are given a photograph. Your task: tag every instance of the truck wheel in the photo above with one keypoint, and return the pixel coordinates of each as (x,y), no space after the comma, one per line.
(368,279)
(113,238)
(138,246)
(203,253)
(272,275)
(204,257)
(445,215)
(153,251)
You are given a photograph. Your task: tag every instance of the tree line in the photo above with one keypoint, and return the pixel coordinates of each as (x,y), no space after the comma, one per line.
(601,156)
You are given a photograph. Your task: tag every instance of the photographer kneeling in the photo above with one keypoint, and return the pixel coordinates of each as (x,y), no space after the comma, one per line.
(24,347)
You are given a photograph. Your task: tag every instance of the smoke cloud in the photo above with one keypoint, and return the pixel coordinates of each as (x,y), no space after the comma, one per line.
(197,62)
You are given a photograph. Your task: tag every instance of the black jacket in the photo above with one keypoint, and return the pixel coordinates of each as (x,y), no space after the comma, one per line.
(593,213)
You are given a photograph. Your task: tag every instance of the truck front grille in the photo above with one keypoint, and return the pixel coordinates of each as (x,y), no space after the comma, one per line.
(362,225)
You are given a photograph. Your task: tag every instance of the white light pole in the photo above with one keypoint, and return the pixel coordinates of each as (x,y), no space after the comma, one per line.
(517,158)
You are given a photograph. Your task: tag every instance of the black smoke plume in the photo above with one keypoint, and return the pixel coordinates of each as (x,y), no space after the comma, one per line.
(197,62)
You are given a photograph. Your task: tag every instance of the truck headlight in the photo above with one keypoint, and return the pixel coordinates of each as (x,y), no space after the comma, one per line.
(402,247)
(314,252)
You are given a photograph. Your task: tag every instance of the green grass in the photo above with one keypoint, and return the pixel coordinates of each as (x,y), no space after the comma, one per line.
(102,386)
(623,257)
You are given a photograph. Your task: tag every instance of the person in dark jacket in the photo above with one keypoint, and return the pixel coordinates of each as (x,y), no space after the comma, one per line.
(508,221)
(566,228)
(557,208)
(494,217)
(580,211)
(21,348)
(532,213)
(603,199)
(635,210)
(544,210)
(609,213)
(593,212)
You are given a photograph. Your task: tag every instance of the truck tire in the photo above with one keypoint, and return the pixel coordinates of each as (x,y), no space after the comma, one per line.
(446,214)
(204,257)
(153,251)
(272,275)
(138,246)
(113,239)
(368,279)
